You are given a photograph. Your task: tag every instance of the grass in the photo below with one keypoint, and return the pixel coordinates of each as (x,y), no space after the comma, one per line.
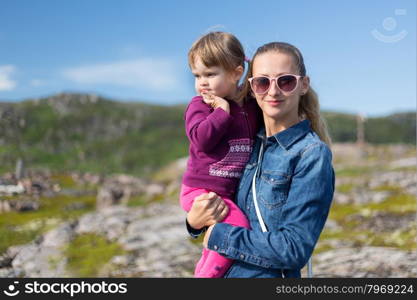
(354,171)
(18,228)
(396,204)
(197,241)
(404,169)
(88,253)
(387,188)
(345,188)
(140,200)
(404,239)
(327,236)
(14,229)
(65,181)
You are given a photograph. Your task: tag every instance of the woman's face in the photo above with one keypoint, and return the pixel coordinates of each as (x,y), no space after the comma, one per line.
(277,106)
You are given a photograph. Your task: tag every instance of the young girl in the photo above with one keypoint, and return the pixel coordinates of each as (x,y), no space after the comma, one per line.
(221,130)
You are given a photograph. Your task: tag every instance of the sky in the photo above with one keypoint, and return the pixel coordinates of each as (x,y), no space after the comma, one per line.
(360,55)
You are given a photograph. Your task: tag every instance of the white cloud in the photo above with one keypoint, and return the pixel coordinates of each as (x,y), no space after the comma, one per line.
(157,74)
(6,83)
(37,82)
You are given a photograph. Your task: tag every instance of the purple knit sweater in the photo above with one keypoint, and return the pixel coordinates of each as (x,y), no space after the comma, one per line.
(220,144)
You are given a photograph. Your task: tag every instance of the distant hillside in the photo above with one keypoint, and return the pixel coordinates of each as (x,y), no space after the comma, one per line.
(395,128)
(90,133)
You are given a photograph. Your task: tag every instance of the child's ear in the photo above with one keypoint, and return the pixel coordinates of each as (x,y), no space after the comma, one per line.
(238,72)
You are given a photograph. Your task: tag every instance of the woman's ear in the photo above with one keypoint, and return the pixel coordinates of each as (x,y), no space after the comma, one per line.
(305,85)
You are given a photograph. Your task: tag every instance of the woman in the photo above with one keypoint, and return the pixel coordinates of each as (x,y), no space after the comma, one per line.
(288,184)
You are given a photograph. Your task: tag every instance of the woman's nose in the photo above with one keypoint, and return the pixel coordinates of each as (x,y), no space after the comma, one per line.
(273,89)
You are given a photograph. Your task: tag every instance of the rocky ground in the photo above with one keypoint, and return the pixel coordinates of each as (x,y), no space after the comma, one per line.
(156,244)
(153,236)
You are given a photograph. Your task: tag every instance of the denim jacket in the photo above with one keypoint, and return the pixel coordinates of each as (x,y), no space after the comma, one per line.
(294,188)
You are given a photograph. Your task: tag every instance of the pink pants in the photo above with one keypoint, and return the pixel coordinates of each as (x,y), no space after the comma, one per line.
(211,263)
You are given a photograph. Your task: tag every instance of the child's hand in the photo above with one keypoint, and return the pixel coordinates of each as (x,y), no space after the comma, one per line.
(216,102)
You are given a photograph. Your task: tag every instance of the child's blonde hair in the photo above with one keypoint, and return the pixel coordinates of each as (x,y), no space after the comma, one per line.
(308,106)
(220,49)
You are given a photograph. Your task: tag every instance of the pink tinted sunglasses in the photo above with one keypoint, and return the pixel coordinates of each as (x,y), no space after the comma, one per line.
(286,83)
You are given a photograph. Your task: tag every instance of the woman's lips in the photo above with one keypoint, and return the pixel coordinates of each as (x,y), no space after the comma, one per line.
(274,102)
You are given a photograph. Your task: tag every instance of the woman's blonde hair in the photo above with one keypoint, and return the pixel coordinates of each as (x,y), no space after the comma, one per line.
(220,49)
(308,106)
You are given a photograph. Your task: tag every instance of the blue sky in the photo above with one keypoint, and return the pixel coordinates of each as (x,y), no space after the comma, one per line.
(360,55)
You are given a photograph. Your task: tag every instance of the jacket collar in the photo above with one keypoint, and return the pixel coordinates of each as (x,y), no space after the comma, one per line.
(290,135)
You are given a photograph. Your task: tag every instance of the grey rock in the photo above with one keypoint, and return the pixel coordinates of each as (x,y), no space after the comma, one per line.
(43,257)
(5,261)
(9,273)
(59,236)
(118,189)
(154,189)
(365,262)
(18,205)
(110,195)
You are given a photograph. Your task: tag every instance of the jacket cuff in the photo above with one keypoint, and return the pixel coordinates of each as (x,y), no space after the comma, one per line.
(219,238)
(223,239)
(195,233)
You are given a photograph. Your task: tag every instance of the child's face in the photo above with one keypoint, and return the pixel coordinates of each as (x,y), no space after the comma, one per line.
(214,80)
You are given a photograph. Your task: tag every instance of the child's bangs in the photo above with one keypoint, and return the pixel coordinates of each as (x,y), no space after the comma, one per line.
(209,57)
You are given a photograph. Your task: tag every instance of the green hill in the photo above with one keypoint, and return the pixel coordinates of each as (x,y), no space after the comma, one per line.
(90,133)
(395,128)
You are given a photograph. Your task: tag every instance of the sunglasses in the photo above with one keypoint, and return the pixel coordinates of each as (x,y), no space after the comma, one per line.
(286,83)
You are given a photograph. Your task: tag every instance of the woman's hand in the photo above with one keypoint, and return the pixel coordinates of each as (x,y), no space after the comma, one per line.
(207,236)
(207,210)
(216,102)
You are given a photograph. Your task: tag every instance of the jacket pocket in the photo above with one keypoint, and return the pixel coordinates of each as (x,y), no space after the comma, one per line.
(274,187)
